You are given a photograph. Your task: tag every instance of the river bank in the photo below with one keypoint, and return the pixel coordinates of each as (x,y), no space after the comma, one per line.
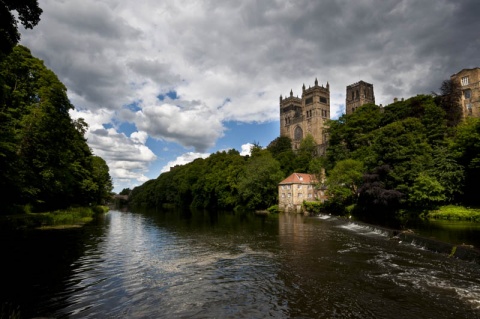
(453,212)
(60,219)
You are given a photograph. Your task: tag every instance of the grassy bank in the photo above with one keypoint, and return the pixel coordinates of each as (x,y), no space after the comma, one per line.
(71,217)
(452,212)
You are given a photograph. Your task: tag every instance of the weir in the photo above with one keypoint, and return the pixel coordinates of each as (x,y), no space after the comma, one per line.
(463,251)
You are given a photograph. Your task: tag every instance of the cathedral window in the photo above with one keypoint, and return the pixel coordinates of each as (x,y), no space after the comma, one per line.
(323,99)
(464,80)
(298,134)
(309,101)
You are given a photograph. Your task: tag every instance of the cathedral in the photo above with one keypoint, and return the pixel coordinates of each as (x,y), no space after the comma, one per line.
(306,115)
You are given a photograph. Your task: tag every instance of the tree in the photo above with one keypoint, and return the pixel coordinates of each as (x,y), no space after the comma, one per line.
(281,150)
(28,13)
(426,192)
(350,136)
(449,100)
(448,172)
(44,158)
(102,179)
(466,149)
(258,184)
(376,200)
(125,191)
(404,148)
(305,153)
(344,181)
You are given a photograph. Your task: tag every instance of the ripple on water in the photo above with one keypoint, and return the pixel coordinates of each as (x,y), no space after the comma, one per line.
(145,270)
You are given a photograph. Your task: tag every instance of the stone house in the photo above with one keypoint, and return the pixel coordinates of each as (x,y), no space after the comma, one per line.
(469,81)
(295,189)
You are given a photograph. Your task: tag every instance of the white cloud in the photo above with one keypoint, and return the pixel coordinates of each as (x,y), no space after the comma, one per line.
(128,158)
(196,126)
(184,159)
(246,149)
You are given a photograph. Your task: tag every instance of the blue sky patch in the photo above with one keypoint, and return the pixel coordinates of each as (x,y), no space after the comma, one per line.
(172,95)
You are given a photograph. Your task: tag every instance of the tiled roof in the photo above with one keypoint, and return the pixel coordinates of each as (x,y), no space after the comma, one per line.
(299,178)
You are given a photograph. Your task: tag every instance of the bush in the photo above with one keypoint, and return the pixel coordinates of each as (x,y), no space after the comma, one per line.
(312,207)
(273,209)
(452,212)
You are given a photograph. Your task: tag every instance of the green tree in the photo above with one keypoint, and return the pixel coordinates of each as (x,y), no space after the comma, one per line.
(344,180)
(28,13)
(448,172)
(350,136)
(426,192)
(258,184)
(125,191)
(403,146)
(466,149)
(305,153)
(102,179)
(44,158)
(281,150)
(449,99)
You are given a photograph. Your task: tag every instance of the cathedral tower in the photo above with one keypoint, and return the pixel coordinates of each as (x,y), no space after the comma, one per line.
(358,94)
(306,115)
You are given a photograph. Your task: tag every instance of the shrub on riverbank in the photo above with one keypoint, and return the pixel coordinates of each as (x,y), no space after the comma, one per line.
(452,212)
(74,216)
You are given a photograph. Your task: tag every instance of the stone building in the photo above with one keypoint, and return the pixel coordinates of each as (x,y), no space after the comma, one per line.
(295,189)
(358,94)
(306,115)
(469,81)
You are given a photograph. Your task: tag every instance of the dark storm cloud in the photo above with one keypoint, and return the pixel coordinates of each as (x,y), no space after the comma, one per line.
(111,54)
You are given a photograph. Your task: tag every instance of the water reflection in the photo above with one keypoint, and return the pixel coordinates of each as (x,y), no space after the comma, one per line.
(223,265)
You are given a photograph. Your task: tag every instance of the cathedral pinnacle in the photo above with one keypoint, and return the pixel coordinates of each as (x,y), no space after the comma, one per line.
(316,82)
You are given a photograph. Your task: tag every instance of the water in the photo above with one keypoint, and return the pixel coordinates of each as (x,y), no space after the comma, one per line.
(200,265)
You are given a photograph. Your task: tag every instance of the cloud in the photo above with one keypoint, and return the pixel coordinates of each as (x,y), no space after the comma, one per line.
(246,149)
(195,126)
(183,159)
(231,60)
(128,157)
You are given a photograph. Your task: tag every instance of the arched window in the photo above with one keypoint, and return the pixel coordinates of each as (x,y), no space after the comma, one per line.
(298,134)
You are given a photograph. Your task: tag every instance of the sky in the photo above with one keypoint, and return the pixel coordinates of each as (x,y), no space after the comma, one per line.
(161,83)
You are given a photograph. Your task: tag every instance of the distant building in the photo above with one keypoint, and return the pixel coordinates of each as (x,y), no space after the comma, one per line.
(306,115)
(469,81)
(358,94)
(295,189)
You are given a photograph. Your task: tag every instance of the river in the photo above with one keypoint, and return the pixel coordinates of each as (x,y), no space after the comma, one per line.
(209,265)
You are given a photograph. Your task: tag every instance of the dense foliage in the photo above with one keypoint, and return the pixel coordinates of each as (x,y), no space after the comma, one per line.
(45,161)
(412,155)
(224,180)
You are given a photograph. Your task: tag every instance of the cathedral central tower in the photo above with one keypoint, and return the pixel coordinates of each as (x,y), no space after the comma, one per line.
(306,115)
